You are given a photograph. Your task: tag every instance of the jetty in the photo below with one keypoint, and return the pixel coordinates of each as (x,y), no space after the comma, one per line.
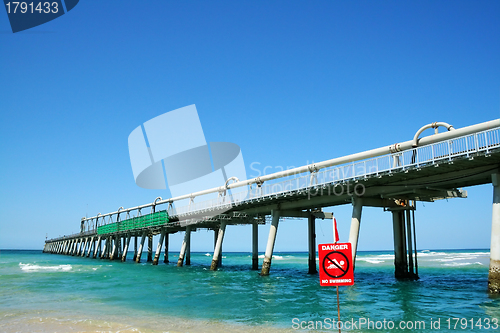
(393,178)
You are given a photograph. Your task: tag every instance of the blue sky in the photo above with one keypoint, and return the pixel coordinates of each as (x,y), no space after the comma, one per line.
(291,82)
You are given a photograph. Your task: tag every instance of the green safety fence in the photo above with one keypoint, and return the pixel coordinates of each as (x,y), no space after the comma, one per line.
(149,220)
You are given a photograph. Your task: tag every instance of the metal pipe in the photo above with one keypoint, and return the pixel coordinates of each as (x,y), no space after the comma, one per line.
(434,125)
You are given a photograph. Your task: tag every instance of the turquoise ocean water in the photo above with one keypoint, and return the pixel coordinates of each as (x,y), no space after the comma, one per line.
(56,293)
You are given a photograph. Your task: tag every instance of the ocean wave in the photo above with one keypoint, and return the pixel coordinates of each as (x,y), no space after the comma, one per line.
(455,264)
(274,256)
(460,256)
(37,268)
(372,261)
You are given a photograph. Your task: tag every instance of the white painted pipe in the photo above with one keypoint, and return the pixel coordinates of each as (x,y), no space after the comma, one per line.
(433,125)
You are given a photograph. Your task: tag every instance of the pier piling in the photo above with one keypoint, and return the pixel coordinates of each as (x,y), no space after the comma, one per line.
(255,246)
(311,233)
(165,256)
(494,270)
(141,246)
(158,248)
(218,247)
(150,248)
(266,265)
(357,207)
(125,249)
(180,261)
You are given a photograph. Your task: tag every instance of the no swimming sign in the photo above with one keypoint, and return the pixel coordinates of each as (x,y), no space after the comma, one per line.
(335,264)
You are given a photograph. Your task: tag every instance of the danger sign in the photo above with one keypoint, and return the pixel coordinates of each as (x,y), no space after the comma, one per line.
(335,266)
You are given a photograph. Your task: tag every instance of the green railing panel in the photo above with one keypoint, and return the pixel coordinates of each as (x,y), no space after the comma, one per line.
(149,220)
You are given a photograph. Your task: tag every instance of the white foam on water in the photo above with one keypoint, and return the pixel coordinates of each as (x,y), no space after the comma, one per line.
(274,257)
(37,268)
(456,264)
(373,261)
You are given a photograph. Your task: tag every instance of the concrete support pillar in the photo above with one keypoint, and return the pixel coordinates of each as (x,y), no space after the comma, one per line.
(104,248)
(255,246)
(114,251)
(125,249)
(158,248)
(266,265)
(141,246)
(91,244)
(150,248)
(97,246)
(75,250)
(188,248)
(119,251)
(85,246)
(357,207)
(75,247)
(400,264)
(165,257)
(311,233)
(494,272)
(187,235)
(78,246)
(216,235)
(135,248)
(218,246)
